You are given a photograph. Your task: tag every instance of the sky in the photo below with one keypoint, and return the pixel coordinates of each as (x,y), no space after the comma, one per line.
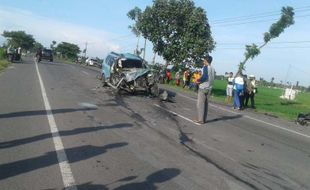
(103,24)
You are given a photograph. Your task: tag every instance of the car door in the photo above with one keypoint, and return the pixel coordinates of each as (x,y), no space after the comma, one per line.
(106,66)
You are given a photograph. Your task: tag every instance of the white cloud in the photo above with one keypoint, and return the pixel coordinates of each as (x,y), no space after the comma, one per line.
(45,30)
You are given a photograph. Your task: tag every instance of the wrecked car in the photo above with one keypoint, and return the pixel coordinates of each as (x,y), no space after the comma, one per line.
(128,72)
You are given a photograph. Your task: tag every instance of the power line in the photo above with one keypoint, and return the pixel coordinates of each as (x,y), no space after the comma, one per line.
(264,14)
(243,43)
(254,21)
(292,47)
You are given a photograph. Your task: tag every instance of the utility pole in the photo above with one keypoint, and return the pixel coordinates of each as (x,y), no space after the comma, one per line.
(144,48)
(137,48)
(154,57)
(85,50)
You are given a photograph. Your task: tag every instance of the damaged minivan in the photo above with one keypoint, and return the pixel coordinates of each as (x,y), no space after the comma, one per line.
(128,72)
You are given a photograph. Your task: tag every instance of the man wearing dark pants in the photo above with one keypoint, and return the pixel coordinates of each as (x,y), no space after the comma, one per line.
(205,86)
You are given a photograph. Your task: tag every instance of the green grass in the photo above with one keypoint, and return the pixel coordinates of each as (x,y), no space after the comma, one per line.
(3,64)
(62,60)
(267,100)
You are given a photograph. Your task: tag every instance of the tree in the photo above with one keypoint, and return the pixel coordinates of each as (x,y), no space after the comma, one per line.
(178,30)
(285,21)
(53,45)
(134,14)
(272,81)
(37,46)
(68,50)
(19,39)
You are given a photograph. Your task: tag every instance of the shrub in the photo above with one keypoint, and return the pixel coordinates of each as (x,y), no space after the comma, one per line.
(2,53)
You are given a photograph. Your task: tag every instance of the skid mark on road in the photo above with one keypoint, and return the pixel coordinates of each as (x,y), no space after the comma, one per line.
(65,169)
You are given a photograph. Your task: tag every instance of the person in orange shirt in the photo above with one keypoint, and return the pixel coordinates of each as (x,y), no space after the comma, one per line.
(195,77)
(198,77)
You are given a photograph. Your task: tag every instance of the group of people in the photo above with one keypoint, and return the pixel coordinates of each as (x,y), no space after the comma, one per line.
(188,77)
(240,89)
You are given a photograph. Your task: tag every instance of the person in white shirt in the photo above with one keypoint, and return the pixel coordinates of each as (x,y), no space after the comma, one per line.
(238,91)
(229,88)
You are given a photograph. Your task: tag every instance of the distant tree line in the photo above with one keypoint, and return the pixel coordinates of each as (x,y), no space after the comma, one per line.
(27,42)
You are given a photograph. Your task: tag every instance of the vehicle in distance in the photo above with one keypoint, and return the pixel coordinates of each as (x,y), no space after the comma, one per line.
(93,62)
(128,72)
(47,54)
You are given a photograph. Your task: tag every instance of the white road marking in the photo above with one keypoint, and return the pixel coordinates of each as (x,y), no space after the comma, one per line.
(65,169)
(249,117)
(181,116)
(86,73)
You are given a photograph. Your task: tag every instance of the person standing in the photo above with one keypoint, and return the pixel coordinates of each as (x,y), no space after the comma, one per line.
(245,91)
(238,91)
(205,83)
(251,90)
(229,88)
(194,79)
(186,76)
(198,77)
(177,78)
(168,76)
(163,74)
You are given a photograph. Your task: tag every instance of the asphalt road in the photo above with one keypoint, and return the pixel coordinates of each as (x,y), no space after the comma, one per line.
(59,129)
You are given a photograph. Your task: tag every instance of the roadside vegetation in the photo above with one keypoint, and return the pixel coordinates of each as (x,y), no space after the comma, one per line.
(267,100)
(3,62)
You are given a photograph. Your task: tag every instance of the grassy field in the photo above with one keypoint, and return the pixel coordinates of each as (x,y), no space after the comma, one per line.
(267,100)
(3,64)
(62,60)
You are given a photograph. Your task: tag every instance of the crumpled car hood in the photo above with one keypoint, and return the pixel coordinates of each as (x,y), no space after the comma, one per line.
(133,74)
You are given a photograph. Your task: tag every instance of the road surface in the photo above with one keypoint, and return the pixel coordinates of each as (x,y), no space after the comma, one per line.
(59,129)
